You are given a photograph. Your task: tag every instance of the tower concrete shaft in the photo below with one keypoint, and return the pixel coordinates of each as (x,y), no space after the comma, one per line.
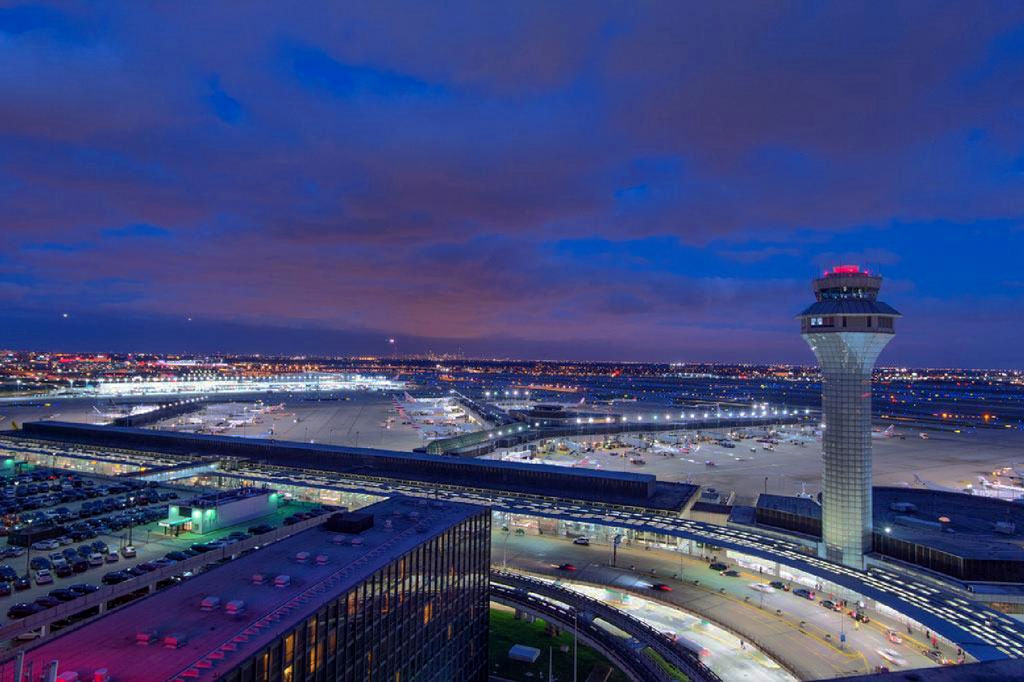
(847,361)
(847,328)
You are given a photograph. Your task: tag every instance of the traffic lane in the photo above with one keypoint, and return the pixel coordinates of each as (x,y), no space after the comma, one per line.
(811,658)
(826,625)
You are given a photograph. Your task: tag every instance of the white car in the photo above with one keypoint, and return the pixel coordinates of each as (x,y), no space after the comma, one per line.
(581,541)
(45,544)
(43,577)
(95,559)
(761,587)
(892,656)
(128,551)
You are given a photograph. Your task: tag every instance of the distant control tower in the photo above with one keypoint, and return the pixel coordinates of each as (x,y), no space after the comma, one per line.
(847,328)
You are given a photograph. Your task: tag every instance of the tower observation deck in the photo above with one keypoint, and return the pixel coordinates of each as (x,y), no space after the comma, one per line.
(847,327)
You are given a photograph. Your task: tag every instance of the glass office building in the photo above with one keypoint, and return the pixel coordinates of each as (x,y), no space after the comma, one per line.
(423,616)
(396,592)
(847,328)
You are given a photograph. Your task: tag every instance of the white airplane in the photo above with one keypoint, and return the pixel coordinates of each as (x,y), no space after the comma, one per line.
(985,483)
(931,485)
(888,433)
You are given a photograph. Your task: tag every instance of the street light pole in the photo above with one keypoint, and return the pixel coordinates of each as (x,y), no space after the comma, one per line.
(575,634)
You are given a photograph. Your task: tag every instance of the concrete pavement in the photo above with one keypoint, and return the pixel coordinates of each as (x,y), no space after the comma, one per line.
(796,632)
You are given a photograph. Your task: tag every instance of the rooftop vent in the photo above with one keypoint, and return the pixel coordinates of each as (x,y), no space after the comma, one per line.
(349,522)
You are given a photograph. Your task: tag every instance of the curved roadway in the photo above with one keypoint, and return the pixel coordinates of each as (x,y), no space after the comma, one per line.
(525,588)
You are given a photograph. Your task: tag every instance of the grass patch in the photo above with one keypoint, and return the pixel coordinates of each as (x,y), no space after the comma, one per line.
(507,631)
(672,671)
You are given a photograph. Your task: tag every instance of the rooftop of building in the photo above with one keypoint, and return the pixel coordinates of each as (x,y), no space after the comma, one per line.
(969,526)
(801,506)
(220,498)
(612,487)
(110,641)
(849,306)
(990,671)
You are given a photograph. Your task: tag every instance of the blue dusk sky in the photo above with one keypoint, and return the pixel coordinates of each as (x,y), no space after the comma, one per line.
(572,180)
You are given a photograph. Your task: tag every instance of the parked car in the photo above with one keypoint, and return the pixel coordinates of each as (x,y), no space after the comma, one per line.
(128,551)
(64,594)
(23,610)
(831,605)
(43,577)
(115,577)
(779,585)
(804,592)
(83,588)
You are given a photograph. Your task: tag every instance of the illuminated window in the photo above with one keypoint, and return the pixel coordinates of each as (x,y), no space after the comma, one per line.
(428,613)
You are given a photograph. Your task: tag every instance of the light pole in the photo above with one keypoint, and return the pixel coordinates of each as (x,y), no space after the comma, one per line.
(504,547)
(575,633)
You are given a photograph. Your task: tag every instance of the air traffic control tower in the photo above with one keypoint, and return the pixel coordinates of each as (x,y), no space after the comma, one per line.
(847,328)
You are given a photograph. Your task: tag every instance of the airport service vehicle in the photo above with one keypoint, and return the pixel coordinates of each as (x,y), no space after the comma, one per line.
(762,587)
(581,541)
(892,656)
(566,567)
(718,566)
(661,587)
(804,592)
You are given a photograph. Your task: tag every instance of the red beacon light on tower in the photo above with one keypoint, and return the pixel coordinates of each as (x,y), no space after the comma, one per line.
(845,270)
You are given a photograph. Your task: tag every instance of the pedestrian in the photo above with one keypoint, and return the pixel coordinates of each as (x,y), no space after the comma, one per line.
(909,630)
(742,645)
(927,634)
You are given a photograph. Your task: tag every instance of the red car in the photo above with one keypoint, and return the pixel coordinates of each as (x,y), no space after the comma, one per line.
(661,587)
(567,567)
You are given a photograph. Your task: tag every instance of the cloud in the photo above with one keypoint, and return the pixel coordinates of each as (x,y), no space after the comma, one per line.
(653,182)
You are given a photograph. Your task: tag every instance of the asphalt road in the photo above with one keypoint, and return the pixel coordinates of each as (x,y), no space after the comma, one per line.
(811,649)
